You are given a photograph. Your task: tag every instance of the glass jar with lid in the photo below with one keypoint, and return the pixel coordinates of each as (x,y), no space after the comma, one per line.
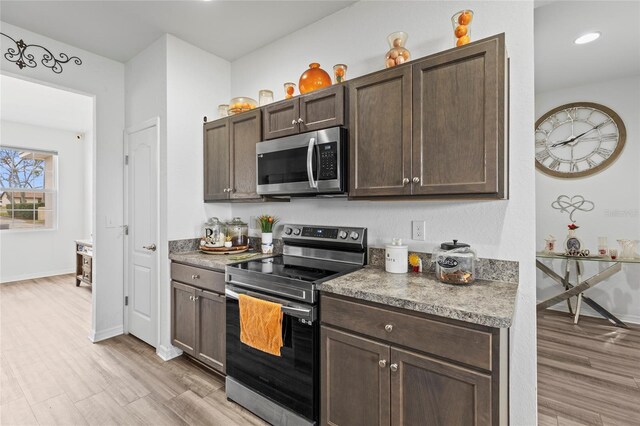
(455,263)
(214,233)
(238,232)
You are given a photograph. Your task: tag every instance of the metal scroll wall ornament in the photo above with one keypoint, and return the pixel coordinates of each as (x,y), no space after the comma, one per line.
(573,204)
(24,59)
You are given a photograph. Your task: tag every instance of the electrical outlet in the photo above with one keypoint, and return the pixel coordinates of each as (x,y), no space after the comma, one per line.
(417,230)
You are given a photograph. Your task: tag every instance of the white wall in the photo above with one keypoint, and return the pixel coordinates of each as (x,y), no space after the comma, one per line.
(40,253)
(615,192)
(177,82)
(498,229)
(104,79)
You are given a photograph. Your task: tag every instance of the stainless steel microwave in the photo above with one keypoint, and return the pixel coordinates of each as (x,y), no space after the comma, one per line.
(307,164)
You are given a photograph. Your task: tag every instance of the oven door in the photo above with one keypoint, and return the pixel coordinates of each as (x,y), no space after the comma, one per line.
(305,164)
(292,379)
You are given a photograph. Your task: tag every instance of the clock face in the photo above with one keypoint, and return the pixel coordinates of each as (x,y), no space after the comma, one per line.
(578,139)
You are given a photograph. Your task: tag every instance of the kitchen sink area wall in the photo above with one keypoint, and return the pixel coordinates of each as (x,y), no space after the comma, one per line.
(497,229)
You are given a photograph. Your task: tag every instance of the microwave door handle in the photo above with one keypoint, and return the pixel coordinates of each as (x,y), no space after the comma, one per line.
(312,182)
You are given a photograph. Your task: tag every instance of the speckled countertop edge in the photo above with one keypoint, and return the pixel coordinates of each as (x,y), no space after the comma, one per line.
(211,261)
(489,303)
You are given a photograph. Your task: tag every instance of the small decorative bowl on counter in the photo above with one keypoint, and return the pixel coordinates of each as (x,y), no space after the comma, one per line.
(241,104)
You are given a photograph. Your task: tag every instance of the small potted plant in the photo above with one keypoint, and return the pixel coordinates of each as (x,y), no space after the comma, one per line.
(267,222)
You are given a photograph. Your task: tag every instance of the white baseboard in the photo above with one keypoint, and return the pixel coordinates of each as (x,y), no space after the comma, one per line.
(588,312)
(97,336)
(167,353)
(33,275)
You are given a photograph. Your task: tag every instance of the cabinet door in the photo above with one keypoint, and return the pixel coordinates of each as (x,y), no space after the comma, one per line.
(425,391)
(459,120)
(183,317)
(354,380)
(281,119)
(380,134)
(322,109)
(210,329)
(216,160)
(244,134)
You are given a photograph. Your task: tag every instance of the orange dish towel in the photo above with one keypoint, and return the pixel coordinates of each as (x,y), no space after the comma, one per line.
(260,324)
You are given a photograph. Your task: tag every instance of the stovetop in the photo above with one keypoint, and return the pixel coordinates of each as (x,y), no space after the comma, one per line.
(295,268)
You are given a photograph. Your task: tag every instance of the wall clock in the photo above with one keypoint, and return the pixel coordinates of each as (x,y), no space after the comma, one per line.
(578,139)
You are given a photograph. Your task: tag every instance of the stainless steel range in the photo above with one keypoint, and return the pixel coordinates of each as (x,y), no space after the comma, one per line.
(284,390)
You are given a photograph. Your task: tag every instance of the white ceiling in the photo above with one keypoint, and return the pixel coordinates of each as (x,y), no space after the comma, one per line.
(121,29)
(561,63)
(32,103)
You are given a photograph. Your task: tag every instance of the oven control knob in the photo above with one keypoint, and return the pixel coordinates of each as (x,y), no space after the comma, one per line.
(355,235)
(296,231)
(343,235)
(287,231)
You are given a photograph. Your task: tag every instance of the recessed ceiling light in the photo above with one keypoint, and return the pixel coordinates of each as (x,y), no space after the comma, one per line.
(587,38)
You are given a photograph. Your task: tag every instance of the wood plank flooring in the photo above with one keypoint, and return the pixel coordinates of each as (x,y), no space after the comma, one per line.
(589,373)
(51,374)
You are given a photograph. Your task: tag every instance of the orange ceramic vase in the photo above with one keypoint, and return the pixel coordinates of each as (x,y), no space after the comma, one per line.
(313,79)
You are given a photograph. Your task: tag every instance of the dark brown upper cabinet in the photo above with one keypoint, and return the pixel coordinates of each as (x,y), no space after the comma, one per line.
(434,127)
(459,110)
(230,157)
(380,134)
(318,110)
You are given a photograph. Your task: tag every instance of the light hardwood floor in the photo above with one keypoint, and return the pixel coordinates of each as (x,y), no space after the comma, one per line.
(51,374)
(589,373)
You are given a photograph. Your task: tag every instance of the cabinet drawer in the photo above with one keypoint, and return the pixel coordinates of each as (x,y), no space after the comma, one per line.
(86,276)
(86,260)
(203,278)
(465,345)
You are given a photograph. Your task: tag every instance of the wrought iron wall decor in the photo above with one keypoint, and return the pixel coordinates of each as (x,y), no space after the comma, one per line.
(24,59)
(573,204)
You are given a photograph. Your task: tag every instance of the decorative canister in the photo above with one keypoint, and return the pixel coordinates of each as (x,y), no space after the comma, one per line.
(397,53)
(214,233)
(455,263)
(265,97)
(267,243)
(313,79)
(238,232)
(396,257)
(289,90)
(461,28)
(572,244)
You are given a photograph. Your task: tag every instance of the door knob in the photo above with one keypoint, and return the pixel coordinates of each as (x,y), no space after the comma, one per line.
(382,363)
(405,181)
(416,179)
(293,122)
(151,247)
(388,328)
(393,367)
(300,121)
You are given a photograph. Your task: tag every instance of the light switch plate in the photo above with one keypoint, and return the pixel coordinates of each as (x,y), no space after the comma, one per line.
(417,230)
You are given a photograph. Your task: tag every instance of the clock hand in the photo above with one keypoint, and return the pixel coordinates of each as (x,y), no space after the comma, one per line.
(577,137)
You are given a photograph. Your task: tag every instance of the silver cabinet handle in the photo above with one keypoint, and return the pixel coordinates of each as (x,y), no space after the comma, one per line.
(416,179)
(224,190)
(195,276)
(293,122)
(393,367)
(405,181)
(382,363)
(388,328)
(191,298)
(195,299)
(300,121)
(151,247)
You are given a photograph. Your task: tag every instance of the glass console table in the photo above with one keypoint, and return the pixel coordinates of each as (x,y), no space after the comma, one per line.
(577,288)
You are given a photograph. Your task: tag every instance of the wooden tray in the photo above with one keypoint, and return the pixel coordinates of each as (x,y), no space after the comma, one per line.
(224,250)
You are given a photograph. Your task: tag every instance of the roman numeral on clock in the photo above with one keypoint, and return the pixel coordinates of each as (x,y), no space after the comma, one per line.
(555,165)
(541,156)
(574,167)
(604,152)
(591,163)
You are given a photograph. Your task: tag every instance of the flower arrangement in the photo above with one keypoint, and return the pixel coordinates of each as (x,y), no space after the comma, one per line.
(573,226)
(267,222)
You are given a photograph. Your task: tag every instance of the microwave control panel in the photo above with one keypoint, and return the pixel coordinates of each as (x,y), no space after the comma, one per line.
(328,160)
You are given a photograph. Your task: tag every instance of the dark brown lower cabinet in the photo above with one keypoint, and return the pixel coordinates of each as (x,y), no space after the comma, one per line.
(198,316)
(426,391)
(355,383)
(384,378)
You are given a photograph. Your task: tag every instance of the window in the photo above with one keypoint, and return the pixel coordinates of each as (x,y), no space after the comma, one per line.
(28,188)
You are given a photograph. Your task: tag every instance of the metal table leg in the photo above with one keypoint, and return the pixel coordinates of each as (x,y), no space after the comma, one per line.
(578,280)
(590,302)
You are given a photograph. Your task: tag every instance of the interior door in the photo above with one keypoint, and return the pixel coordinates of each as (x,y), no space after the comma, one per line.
(142,214)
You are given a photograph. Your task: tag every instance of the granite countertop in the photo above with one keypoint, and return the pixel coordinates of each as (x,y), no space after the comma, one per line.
(212,261)
(484,302)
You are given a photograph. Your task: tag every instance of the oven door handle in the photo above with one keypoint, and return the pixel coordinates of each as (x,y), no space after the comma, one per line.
(304,313)
(312,182)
